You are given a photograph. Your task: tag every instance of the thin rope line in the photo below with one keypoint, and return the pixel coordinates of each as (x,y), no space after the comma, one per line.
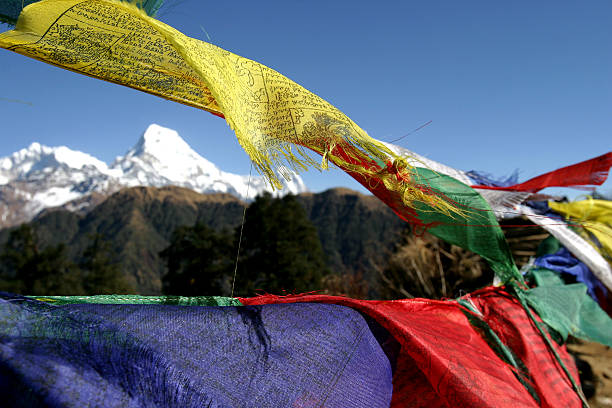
(241,228)
(408,134)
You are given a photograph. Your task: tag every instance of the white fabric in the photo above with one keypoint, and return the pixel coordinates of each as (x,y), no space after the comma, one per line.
(580,248)
(417,160)
(504,203)
(508,204)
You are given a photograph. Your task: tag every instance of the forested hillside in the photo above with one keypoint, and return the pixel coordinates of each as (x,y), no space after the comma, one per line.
(355,231)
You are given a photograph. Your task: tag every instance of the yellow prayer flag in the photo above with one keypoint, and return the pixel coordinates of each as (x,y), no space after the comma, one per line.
(596,218)
(274,118)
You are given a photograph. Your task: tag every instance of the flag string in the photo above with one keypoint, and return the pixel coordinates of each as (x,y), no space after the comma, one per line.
(241,229)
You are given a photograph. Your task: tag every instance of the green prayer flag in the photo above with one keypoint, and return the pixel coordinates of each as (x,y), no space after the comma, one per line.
(141,300)
(568,309)
(476,230)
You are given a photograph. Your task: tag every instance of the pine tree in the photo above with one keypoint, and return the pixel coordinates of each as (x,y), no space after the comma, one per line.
(199,262)
(280,249)
(100,275)
(28,269)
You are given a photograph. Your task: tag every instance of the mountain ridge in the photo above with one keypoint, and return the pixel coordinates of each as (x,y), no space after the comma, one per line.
(40,177)
(356,231)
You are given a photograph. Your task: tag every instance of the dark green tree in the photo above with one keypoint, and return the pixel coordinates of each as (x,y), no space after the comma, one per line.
(28,269)
(280,249)
(101,275)
(199,262)
(15,258)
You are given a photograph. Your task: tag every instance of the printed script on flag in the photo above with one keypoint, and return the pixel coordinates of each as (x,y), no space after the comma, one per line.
(275,119)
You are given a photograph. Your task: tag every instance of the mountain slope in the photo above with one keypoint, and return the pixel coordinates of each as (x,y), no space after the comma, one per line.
(41,177)
(138,222)
(356,231)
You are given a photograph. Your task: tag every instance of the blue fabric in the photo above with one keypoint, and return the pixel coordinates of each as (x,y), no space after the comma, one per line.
(542,208)
(481,178)
(564,263)
(286,355)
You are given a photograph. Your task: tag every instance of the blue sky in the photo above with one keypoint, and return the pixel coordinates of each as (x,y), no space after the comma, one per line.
(507,85)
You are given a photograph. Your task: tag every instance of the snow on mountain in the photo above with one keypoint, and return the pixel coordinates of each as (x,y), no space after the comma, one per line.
(161,157)
(39,159)
(40,177)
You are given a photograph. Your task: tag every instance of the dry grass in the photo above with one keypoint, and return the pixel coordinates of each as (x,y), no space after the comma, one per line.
(425,266)
(600,359)
(353,286)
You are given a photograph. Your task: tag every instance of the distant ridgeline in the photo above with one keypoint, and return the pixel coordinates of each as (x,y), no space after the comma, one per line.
(356,232)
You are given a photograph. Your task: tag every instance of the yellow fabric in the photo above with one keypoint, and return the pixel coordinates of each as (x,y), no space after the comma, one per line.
(273,117)
(595,216)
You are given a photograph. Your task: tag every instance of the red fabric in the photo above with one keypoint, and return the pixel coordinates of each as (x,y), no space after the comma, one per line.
(442,362)
(391,196)
(508,319)
(593,172)
(375,185)
(350,154)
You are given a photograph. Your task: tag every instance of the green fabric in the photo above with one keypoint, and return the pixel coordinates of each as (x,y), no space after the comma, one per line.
(151,7)
(549,246)
(545,277)
(477,231)
(141,300)
(568,309)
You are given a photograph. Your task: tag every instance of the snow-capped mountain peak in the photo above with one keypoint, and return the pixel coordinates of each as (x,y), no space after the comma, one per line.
(165,145)
(77,160)
(38,158)
(162,157)
(39,177)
